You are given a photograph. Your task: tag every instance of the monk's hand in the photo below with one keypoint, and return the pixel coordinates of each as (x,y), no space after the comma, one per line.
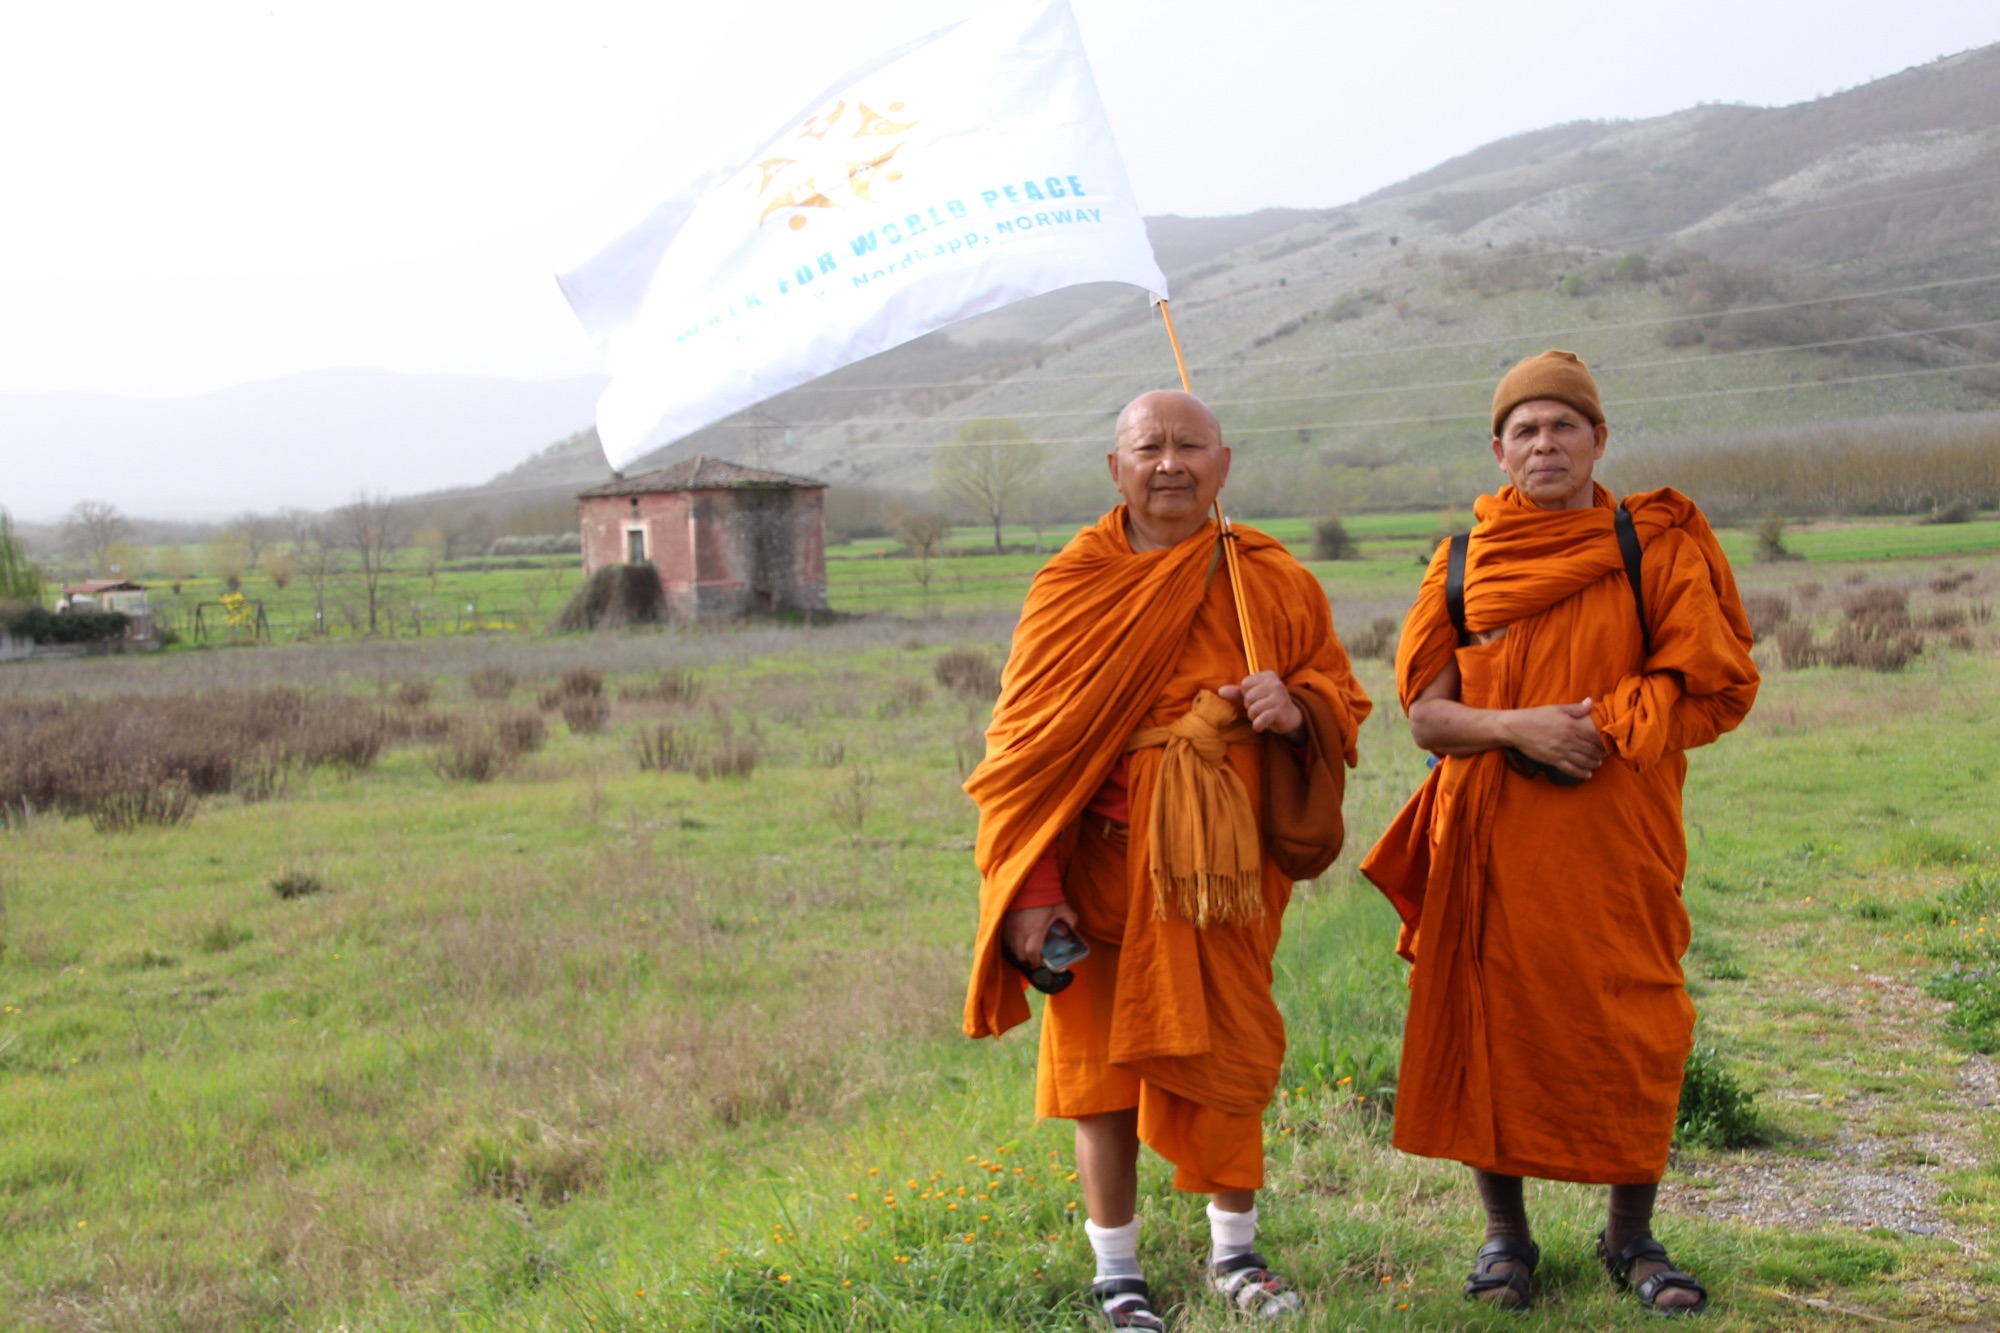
(1268,704)
(1024,930)
(1560,735)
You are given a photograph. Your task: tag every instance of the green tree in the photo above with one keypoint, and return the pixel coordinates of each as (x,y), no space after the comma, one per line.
(988,467)
(229,558)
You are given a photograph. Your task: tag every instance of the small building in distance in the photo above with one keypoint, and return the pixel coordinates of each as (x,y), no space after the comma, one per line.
(120,595)
(726,539)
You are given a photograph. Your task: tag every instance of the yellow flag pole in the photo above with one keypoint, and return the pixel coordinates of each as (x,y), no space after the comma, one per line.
(1228,533)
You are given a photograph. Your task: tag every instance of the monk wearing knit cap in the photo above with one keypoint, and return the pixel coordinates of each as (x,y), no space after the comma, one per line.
(1129,769)
(1560,662)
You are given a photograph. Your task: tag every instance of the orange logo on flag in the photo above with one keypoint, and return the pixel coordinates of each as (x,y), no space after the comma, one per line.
(837,157)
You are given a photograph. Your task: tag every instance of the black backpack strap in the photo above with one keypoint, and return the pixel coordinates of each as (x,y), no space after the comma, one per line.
(1628,546)
(1454,583)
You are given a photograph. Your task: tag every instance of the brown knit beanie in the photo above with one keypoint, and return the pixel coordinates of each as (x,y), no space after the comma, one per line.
(1554,374)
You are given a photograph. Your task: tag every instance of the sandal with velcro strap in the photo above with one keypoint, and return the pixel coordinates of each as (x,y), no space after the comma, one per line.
(1126,1302)
(1523,1254)
(1644,1249)
(1251,1288)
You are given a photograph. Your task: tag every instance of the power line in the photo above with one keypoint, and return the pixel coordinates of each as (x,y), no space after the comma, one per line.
(1602,370)
(1398,349)
(1439,418)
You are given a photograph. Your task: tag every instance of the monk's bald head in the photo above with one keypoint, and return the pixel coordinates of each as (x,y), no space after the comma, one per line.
(1169,463)
(1173,403)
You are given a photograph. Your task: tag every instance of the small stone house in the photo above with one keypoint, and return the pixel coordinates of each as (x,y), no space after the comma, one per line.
(727,539)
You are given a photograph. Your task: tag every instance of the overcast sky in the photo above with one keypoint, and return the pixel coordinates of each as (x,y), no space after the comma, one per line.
(202,193)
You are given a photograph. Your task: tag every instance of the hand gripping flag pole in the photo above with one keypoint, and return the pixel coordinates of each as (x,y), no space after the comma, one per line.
(1222,520)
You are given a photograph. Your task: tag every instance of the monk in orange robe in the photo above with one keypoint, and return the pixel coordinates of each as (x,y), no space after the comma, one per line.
(1538,870)
(1123,795)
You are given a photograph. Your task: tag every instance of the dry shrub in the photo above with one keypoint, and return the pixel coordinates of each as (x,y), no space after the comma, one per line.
(1809,592)
(549,698)
(582,683)
(1942,618)
(1964,640)
(674,685)
(905,696)
(472,756)
(1767,611)
(1949,582)
(1980,611)
(492,682)
(1880,608)
(968,673)
(731,758)
(520,732)
(666,749)
(1796,648)
(1872,645)
(412,693)
(145,758)
(1379,640)
(140,797)
(418,724)
(586,714)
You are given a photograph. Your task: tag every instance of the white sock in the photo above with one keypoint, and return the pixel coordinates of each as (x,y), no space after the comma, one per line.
(1116,1248)
(1230,1234)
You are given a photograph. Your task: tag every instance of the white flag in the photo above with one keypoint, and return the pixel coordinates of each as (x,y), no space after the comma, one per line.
(947,178)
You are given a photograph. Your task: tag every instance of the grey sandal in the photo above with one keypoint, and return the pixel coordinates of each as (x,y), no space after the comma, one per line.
(1523,1254)
(1126,1302)
(1648,1288)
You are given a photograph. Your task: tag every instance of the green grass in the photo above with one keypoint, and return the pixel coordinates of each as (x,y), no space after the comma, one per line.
(540,1045)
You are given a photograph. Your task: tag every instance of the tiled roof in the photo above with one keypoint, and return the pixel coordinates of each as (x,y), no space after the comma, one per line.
(702,473)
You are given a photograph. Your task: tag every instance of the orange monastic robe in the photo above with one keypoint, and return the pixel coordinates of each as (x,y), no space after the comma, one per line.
(1175,1020)
(1549,1021)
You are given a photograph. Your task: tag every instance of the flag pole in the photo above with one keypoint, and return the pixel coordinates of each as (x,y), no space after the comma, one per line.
(1222,520)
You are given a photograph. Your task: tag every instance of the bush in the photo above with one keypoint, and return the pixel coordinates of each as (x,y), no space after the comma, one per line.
(492,682)
(1715,1111)
(586,714)
(553,543)
(675,685)
(141,797)
(1958,511)
(472,756)
(1871,647)
(1767,611)
(614,597)
(1331,542)
(582,683)
(969,674)
(45,626)
(297,884)
(665,749)
(1380,639)
(412,693)
(1796,648)
(521,732)
(1770,534)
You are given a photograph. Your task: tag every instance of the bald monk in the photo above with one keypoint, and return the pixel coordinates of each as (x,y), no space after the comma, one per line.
(1538,869)
(1123,794)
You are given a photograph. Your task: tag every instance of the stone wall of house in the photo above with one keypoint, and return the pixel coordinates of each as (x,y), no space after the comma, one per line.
(720,553)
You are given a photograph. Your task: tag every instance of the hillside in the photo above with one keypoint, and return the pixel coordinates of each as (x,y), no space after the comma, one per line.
(1724,267)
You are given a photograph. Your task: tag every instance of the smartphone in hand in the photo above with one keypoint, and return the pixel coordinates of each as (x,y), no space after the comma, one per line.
(1062,947)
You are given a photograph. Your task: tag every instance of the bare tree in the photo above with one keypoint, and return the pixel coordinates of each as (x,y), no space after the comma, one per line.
(923,534)
(988,467)
(257,533)
(368,526)
(315,556)
(91,526)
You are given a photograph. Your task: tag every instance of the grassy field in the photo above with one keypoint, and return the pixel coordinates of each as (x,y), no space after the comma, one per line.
(592,1047)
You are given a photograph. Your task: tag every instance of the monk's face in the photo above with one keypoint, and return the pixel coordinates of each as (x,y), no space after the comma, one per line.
(1169,464)
(1548,449)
